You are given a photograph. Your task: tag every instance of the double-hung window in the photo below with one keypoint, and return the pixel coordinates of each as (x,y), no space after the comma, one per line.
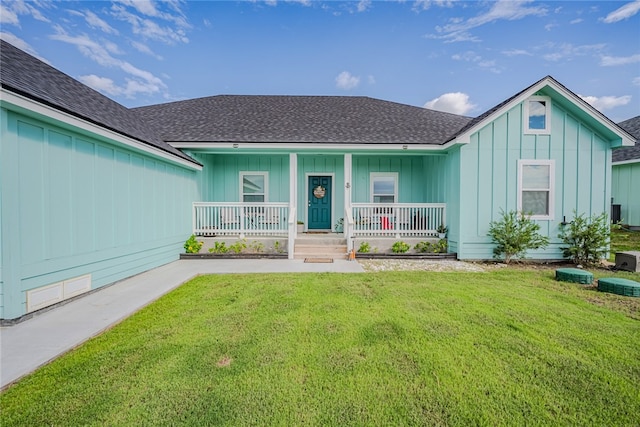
(536,188)
(253,187)
(384,187)
(537,115)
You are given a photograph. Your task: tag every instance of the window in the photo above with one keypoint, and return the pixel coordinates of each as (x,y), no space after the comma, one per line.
(384,187)
(537,114)
(253,186)
(536,188)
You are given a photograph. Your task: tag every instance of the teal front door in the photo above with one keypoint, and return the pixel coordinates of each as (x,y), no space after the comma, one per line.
(319,203)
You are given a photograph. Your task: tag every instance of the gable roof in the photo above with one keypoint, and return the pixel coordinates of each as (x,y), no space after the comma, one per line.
(299,119)
(629,153)
(28,76)
(585,111)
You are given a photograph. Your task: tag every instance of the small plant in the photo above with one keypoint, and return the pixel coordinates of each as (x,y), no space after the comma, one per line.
(424,247)
(364,248)
(514,234)
(192,246)
(441,247)
(256,247)
(238,246)
(442,229)
(339,227)
(278,247)
(400,247)
(587,238)
(219,248)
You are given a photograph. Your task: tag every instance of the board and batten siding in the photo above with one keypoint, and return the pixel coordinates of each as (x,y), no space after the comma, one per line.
(626,192)
(421,179)
(489,177)
(73,206)
(219,180)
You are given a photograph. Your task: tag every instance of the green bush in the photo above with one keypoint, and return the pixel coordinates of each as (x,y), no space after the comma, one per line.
(238,246)
(423,247)
(587,238)
(441,247)
(364,248)
(192,246)
(514,235)
(400,247)
(219,248)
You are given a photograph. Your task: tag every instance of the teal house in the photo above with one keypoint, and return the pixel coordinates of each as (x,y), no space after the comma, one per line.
(92,192)
(625,189)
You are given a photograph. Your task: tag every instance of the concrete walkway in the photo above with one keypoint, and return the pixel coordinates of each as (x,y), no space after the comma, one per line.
(26,346)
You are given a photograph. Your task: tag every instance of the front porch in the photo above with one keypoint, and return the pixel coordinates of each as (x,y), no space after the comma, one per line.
(268,221)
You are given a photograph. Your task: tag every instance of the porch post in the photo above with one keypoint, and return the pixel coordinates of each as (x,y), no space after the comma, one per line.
(348,177)
(293,203)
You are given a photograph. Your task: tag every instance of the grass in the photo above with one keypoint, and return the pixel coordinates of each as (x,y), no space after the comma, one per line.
(505,347)
(624,240)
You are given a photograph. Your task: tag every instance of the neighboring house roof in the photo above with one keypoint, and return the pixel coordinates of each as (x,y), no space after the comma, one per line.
(585,110)
(629,153)
(27,76)
(299,119)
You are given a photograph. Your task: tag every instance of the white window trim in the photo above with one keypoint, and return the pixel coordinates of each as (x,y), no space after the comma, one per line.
(374,175)
(547,113)
(266,183)
(552,186)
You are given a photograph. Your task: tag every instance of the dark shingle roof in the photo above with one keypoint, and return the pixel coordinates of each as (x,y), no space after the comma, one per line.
(304,119)
(629,153)
(28,76)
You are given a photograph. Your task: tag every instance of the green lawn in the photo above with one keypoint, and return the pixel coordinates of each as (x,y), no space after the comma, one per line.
(505,347)
(624,240)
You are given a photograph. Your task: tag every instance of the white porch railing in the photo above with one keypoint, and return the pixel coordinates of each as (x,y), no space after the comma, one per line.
(396,219)
(240,219)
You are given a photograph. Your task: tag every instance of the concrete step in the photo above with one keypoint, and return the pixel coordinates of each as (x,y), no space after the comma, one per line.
(320,251)
(320,241)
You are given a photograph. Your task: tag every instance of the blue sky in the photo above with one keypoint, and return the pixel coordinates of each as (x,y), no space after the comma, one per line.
(461,57)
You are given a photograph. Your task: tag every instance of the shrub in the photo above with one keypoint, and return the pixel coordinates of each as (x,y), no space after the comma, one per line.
(587,238)
(514,234)
(192,246)
(219,248)
(441,247)
(400,247)
(238,246)
(256,246)
(423,247)
(364,248)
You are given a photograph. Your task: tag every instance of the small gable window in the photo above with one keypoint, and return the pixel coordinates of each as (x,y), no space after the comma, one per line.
(253,186)
(536,188)
(537,115)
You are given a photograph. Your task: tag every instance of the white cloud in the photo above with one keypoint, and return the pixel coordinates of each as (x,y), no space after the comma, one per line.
(143,81)
(148,28)
(470,56)
(346,81)
(22,45)
(11,10)
(576,21)
(371,80)
(624,12)
(562,51)
(636,81)
(8,16)
(363,5)
(509,10)
(453,102)
(143,48)
(602,103)
(101,84)
(420,5)
(95,22)
(611,61)
(517,52)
